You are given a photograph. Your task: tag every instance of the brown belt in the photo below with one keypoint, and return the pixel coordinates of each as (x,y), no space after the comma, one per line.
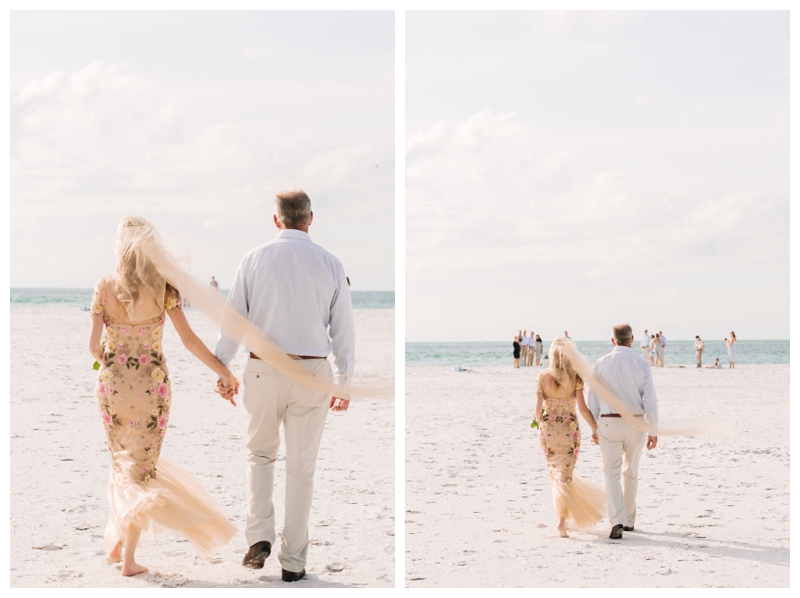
(254,356)
(618,415)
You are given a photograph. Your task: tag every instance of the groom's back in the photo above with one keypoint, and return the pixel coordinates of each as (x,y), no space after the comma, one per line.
(629,376)
(292,289)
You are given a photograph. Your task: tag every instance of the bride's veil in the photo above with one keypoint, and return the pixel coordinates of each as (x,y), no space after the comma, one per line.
(158,264)
(682,427)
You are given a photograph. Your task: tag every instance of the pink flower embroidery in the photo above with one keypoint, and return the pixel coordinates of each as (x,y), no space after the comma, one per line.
(141,396)
(134,424)
(122,359)
(577,450)
(162,390)
(125,330)
(145,346)
(161,321)
(119,346)
(121,398)
(141,330)
(152,391)
(101,389)
(162,422)
(106,419)
(144,469)
(110,389)
(143,359)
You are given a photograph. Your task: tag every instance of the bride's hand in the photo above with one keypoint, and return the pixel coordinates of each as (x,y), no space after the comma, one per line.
(228,387)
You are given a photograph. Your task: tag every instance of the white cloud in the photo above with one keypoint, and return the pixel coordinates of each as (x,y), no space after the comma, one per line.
(492,199)
(103,141)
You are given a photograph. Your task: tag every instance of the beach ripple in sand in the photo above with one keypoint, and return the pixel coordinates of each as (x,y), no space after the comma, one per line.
(60,466)
(479,498)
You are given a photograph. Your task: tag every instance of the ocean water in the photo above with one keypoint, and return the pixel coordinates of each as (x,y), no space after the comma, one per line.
(677,352)
(83,298)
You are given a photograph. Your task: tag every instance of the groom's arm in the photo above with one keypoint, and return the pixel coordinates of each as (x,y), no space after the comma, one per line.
(649,396)
(342,330)
(237,299)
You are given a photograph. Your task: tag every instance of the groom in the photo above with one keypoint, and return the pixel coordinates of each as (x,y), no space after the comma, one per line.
(297,294)
(621,444)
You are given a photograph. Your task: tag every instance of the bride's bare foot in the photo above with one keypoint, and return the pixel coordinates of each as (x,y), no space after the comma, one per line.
(132,569)
(562,529)
(115,556)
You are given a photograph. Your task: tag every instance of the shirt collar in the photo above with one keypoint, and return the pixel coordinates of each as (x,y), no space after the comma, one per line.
(293,233)
(622,348)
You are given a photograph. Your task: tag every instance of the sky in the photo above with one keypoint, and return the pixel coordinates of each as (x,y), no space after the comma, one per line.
(569,171)
(195,120)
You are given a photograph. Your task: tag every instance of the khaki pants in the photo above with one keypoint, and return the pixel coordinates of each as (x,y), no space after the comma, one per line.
(270,398)
(529,357)
(646,353)
(699,358)
(621,446)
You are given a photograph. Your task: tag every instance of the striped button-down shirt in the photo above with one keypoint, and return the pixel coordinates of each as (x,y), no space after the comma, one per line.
(629,376)
(297,294)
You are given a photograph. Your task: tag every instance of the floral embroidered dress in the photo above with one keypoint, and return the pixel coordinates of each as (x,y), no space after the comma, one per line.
(581,502)
(133,397)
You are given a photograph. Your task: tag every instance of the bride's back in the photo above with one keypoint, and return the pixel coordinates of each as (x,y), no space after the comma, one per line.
(554,390)
(146,306)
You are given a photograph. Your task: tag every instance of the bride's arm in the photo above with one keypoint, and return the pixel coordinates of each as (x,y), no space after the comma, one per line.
(95,348)
(198,348)
(539,403)
(587,415)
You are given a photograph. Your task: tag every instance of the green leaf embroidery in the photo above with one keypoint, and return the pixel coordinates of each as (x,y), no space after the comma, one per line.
(96,366)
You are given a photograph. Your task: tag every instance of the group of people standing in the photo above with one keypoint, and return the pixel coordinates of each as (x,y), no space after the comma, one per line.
(527,347)
(653,348)
(699,346)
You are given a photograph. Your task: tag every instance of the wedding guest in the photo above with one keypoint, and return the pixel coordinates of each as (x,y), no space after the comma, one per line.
(717,365)
(566,335)
(652,350)
(538,349)
(214,283)
(523,346)
(531,349)
(516,351)
(659,350)
(698,348)
(731,350)
(646,345)
(663,346)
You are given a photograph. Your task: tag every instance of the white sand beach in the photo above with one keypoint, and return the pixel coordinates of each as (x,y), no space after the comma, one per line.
(60,462)
(712,511)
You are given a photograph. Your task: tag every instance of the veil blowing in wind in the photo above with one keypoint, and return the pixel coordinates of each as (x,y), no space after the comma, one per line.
(159,264)
(675,427)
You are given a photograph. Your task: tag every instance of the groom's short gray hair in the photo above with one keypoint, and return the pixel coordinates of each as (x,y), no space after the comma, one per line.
(293,208)
(623,334)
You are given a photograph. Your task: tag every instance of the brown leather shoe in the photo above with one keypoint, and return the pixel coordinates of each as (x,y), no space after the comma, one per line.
(292,575)
(628,528)
(257,554)
(616,532)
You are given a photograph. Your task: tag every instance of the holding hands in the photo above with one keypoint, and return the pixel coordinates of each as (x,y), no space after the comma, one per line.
(227,387)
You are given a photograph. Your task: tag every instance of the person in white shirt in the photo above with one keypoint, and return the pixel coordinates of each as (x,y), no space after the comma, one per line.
(698,349)
(663,347)
(531,349)
(523,347)
(646,345)
(297,294)
(621,444)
